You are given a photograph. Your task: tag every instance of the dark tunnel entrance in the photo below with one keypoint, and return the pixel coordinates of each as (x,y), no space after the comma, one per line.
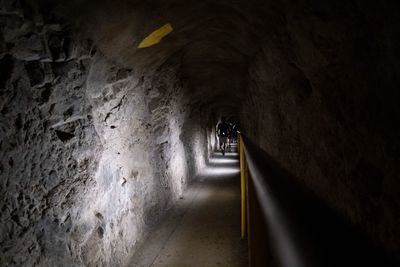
(108,115)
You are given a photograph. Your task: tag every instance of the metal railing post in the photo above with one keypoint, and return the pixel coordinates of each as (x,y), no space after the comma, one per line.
(242,186)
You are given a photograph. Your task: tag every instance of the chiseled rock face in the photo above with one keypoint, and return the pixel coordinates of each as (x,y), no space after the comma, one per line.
(321,102)
(49,145)
(142,167)
(91,154)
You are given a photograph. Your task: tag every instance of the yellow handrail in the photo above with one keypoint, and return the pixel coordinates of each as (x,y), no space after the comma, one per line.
(243,171)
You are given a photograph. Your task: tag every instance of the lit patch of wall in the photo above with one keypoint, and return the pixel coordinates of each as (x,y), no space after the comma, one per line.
(211,140)
(111,214)
(199,147)
(121,204)
(178,166)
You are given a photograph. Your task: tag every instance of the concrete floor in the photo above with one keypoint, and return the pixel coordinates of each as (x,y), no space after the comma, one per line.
(203,229)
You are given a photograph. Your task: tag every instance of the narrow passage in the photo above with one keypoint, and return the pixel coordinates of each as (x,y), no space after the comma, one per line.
(203,229)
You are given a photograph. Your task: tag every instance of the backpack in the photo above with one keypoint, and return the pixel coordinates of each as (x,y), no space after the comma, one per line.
(223,129)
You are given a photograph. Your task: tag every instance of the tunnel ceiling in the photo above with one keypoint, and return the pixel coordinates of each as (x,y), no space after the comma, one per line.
(211,44)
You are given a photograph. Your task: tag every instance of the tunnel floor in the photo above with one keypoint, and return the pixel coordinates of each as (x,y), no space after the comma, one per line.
(203,228)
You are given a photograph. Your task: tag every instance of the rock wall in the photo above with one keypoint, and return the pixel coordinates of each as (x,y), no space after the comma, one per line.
(48,142)
(322,101)
(91,153)
(142,166)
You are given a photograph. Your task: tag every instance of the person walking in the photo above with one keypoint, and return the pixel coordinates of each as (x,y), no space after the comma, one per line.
(223,131)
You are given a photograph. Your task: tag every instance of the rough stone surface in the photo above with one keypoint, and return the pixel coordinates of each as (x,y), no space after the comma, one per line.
(48,146)
(321,101)
(92,155)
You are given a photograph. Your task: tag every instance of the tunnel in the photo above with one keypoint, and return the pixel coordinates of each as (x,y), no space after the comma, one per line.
(109,112)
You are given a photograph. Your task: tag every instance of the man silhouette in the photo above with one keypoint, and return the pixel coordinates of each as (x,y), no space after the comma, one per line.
(223,131)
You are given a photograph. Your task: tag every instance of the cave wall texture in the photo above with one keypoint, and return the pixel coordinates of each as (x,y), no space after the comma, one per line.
(325,91)
(92,155)
(98,138)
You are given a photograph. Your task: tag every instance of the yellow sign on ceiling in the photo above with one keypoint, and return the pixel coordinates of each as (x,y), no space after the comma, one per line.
(156,36)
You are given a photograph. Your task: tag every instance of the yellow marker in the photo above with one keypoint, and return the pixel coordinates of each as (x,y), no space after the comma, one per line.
(156,36)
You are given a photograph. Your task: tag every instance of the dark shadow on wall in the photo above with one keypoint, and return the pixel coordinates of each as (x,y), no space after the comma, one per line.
(322,236)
